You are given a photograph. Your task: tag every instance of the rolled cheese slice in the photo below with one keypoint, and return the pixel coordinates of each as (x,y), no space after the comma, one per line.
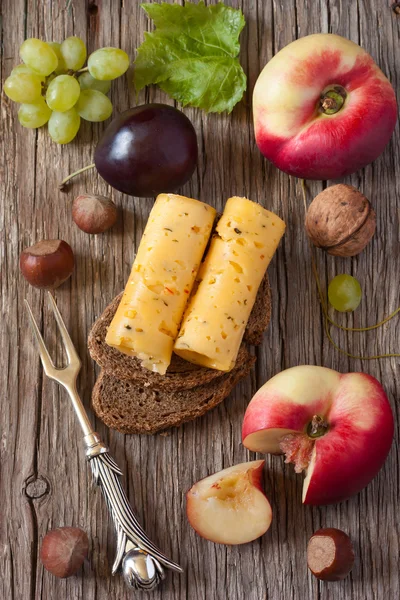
(149,315)
(228,280)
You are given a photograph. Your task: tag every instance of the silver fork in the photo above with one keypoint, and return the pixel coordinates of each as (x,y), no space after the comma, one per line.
(142,562)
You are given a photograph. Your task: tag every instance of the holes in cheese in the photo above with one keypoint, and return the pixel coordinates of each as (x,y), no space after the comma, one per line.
(230,276)
(147,320)
(157,288)
(236,266)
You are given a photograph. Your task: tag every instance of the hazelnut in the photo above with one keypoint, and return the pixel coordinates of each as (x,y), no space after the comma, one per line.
(63,551)
(396,7)
(47,264)
(93,214)
(330,554)
(341,220)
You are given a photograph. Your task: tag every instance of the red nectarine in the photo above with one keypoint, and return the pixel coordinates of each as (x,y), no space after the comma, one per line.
(339,428)
(322,108)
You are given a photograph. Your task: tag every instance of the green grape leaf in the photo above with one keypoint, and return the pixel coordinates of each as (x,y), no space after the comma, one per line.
(192,54)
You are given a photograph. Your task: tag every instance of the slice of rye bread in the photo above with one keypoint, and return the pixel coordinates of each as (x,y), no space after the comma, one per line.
(129,407)
(181,374)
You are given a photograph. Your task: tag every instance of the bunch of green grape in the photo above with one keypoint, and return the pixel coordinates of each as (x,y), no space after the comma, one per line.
(53,86)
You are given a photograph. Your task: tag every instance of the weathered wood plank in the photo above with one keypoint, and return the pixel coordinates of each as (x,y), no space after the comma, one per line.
(44,480)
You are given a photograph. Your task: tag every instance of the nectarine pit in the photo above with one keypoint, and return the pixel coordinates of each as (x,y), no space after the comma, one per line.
(298,447)
(332,99)
(317,427)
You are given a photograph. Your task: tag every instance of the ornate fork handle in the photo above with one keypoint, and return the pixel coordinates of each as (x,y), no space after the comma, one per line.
(142,562)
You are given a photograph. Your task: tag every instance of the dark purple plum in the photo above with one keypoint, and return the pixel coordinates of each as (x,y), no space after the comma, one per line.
(147,150)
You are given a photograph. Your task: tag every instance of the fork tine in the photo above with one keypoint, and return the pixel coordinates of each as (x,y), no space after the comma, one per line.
(47,363)
(68,343)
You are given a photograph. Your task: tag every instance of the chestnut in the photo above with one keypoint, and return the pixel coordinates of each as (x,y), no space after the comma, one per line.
(47,264)
(63,551)
(94,214)
(330,554)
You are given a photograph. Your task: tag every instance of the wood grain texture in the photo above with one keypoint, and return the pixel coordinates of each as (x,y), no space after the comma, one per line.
(44,478)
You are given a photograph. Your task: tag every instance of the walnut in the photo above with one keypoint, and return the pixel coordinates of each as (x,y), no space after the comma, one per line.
(340,220)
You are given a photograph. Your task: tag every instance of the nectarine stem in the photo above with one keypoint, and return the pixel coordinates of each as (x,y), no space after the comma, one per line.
(64,181)
(332,100)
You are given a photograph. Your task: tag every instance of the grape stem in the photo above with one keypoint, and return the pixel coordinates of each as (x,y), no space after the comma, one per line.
(82,70)
(65,181)
(328,320)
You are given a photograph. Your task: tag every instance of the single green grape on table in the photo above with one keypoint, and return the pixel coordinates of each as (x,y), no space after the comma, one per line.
(93,106)
(53,86)
(344,293)
(63,93)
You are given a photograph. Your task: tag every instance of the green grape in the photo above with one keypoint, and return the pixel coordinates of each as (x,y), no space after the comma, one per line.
(63,126)
(39,56)
(108,63)
(94,106)
(87,82)
(34,115)
(61,67)
(25,69)
(344,293)
(23,87)
(62,93)
(73,51)
(49,79)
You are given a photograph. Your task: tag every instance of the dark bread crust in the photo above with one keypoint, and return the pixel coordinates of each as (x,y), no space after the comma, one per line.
(131,407)
(181,375)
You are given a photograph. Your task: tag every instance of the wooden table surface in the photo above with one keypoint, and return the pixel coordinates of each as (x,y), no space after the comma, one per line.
(44,479)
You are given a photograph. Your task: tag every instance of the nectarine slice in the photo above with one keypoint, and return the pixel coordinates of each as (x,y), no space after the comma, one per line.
(230,507)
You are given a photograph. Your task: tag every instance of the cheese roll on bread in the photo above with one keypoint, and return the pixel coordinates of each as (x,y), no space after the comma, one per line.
(147,320)
(246,238)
